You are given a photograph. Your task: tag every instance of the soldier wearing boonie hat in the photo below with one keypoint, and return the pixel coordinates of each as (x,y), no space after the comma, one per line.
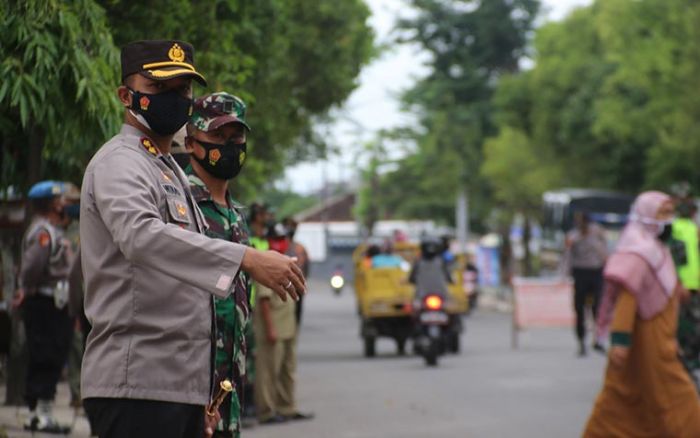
(216,142)
(150,272)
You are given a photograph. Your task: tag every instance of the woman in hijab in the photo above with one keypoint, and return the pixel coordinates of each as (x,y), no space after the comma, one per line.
(647,392)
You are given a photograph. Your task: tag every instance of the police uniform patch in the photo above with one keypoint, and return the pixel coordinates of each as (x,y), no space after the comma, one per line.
(148,145)
(181,210)
(44,239)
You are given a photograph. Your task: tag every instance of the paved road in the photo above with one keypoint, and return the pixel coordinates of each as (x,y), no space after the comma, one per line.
(540,390)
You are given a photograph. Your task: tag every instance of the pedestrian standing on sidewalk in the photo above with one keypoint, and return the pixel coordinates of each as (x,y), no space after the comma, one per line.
(587,252)
(647,392)
(275,339)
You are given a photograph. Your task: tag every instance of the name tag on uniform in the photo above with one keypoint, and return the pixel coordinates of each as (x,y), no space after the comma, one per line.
(171,189)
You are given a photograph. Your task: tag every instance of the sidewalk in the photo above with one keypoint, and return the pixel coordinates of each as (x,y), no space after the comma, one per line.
(12,417)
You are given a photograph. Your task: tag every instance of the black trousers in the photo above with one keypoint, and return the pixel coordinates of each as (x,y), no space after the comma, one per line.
(49,332)
(588,285)
(127,418)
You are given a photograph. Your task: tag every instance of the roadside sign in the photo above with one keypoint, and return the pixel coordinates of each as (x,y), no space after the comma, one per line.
(542,302)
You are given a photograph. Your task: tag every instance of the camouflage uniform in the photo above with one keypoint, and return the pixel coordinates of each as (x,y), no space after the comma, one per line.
(232,313)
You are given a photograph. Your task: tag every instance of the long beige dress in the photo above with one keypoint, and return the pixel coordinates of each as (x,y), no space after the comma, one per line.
(652,394)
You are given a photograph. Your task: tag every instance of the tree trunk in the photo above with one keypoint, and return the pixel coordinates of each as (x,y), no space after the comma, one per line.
(527,259)
(35,147)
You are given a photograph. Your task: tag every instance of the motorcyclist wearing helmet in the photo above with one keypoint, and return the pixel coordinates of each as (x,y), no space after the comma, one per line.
(430,273)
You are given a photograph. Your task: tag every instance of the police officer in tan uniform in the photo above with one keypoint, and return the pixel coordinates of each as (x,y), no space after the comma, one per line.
(43,294)
(150,272)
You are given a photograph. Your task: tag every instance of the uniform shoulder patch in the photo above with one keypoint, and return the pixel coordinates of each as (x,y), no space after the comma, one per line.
(149,146)
(44,239)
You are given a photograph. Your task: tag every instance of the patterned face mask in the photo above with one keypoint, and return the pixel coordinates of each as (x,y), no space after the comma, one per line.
(222,161)
(163,113)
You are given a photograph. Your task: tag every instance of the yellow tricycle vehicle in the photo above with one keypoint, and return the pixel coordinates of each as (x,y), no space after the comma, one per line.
(385,297)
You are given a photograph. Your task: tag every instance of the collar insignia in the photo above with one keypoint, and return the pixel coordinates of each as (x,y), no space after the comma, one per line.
(148,145)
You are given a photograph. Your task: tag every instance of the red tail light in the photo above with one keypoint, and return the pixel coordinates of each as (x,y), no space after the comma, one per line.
(433,302)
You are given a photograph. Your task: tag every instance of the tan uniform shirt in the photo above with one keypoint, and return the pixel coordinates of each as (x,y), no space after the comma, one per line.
(149,275)
(282,313)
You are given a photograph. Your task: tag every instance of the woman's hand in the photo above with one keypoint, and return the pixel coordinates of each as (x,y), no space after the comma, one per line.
(618,355)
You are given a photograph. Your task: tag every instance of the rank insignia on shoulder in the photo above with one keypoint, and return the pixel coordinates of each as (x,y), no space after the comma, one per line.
(148,145)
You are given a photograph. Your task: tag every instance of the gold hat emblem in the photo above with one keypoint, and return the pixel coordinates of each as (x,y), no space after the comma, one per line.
(176,53)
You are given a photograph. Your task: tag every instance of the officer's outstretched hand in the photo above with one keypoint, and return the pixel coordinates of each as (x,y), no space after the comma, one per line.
(276,271)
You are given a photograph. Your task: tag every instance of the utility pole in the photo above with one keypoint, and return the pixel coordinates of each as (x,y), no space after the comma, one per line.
(462,219)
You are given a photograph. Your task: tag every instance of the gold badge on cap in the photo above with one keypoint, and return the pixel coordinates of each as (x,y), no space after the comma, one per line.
(176,53)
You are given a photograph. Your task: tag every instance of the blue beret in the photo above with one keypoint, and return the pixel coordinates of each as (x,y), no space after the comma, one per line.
(46,189)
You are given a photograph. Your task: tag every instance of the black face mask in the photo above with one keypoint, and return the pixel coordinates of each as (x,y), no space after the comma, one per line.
(665,234)
(222,161)
(72,211)
(164,113)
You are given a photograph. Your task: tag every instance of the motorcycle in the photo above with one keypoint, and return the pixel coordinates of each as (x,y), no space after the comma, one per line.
(337,282)
(432,328)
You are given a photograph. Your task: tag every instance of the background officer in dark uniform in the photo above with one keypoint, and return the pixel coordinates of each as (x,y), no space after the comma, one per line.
(150,272)
(46,257)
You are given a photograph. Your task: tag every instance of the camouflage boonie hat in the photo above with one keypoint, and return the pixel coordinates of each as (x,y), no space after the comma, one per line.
(217,109)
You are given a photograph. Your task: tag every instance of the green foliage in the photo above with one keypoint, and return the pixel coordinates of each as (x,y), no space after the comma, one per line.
(59,67)
(610,101)
(291,60)
(471,44)
(368,207)
(287,203)
(518,173)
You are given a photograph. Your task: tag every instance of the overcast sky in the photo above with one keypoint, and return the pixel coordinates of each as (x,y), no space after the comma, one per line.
(374,104)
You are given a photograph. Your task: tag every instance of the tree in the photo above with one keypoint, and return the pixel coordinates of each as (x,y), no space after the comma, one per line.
(59,67)
(290,60)
(609,99)
(471,44)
